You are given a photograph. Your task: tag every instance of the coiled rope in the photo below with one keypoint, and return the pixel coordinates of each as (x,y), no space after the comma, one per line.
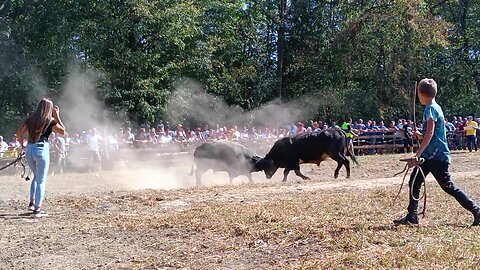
(406,169)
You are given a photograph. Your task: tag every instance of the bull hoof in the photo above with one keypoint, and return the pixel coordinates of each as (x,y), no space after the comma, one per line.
(306,178)
(284,180)
(335,176)
(348,176)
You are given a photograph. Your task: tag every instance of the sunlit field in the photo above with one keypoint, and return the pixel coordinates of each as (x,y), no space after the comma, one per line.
(126,219)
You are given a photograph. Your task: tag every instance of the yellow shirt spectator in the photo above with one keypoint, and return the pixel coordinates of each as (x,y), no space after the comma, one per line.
(471,128)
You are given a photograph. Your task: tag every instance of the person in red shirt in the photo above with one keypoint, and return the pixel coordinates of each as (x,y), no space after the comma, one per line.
(301,128)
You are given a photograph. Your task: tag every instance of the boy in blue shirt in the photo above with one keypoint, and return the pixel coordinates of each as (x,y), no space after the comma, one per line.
(434,150)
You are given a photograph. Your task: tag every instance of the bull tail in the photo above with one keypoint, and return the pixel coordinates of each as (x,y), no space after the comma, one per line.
(353,157)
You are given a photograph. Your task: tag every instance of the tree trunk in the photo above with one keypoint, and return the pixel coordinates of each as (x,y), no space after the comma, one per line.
(280,47)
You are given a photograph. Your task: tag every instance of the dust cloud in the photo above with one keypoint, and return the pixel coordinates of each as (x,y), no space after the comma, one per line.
(191,103)
(80,106)
(153,167)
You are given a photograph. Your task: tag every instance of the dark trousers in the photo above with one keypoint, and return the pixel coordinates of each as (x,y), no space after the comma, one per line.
(471,142)
(439,170)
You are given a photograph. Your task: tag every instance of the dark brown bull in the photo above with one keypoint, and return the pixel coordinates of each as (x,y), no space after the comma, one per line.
(312,147)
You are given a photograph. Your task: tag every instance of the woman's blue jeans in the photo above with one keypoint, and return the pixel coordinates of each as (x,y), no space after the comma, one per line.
(38,159)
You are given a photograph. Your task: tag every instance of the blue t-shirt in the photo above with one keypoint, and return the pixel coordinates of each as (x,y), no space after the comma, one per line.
(437,148)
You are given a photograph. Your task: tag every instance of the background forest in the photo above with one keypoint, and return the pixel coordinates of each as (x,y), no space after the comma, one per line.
(359,58)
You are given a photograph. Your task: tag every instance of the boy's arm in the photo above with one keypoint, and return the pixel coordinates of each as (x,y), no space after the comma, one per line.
(427,137)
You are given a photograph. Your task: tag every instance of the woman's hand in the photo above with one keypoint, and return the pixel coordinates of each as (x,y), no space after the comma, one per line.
(55,112)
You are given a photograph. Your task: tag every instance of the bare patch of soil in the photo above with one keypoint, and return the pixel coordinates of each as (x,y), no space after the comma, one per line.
(154,218)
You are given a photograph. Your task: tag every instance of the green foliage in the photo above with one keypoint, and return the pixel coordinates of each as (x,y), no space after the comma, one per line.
(361,58)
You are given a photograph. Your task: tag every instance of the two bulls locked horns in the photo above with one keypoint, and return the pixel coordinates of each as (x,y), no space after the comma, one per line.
(286,153)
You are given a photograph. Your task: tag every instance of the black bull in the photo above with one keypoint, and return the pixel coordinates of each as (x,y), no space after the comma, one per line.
(312,147)
(227,156)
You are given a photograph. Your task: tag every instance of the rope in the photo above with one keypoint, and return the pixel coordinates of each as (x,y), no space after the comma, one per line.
(13,162)
(25,174)
(19,160)
(406,169)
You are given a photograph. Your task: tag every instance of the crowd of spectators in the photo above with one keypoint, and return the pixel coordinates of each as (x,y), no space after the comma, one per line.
(461,132)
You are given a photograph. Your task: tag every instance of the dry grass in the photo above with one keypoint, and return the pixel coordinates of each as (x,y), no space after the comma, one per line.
(244,227)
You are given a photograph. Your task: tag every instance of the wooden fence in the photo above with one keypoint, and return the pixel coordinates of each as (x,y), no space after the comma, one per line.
(378,143)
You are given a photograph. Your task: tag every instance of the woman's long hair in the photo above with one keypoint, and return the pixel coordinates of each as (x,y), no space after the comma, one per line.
(37,123)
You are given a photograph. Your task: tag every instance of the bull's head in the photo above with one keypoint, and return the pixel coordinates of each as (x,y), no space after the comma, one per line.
(267,166)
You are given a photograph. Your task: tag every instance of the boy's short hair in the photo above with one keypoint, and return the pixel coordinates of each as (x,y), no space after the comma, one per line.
(428,88)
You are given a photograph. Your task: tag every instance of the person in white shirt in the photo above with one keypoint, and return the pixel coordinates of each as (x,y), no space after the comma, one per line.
(15,143)
(165,138)
(3,147)
(93,146)
(59,147)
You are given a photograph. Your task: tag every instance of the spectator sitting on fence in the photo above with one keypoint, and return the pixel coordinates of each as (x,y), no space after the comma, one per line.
(359,125)
(234,134)
(141,139)
(220,134)
(333,125)
(419,126)
(170,133)
(210,136)
(382,127)
(301,128)
(3,147)
(369,126)
(206,133)
(214,131)
(129,137)
(392,130)
(244,134)
(180,135)
(275,134)
(262,133)
(400,124)
(310,128)
(160,126)
(152,136)
(372,130)
(165,138)
(292,130)
(196,136)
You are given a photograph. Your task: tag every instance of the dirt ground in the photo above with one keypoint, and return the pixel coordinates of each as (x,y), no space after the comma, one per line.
(149,217)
